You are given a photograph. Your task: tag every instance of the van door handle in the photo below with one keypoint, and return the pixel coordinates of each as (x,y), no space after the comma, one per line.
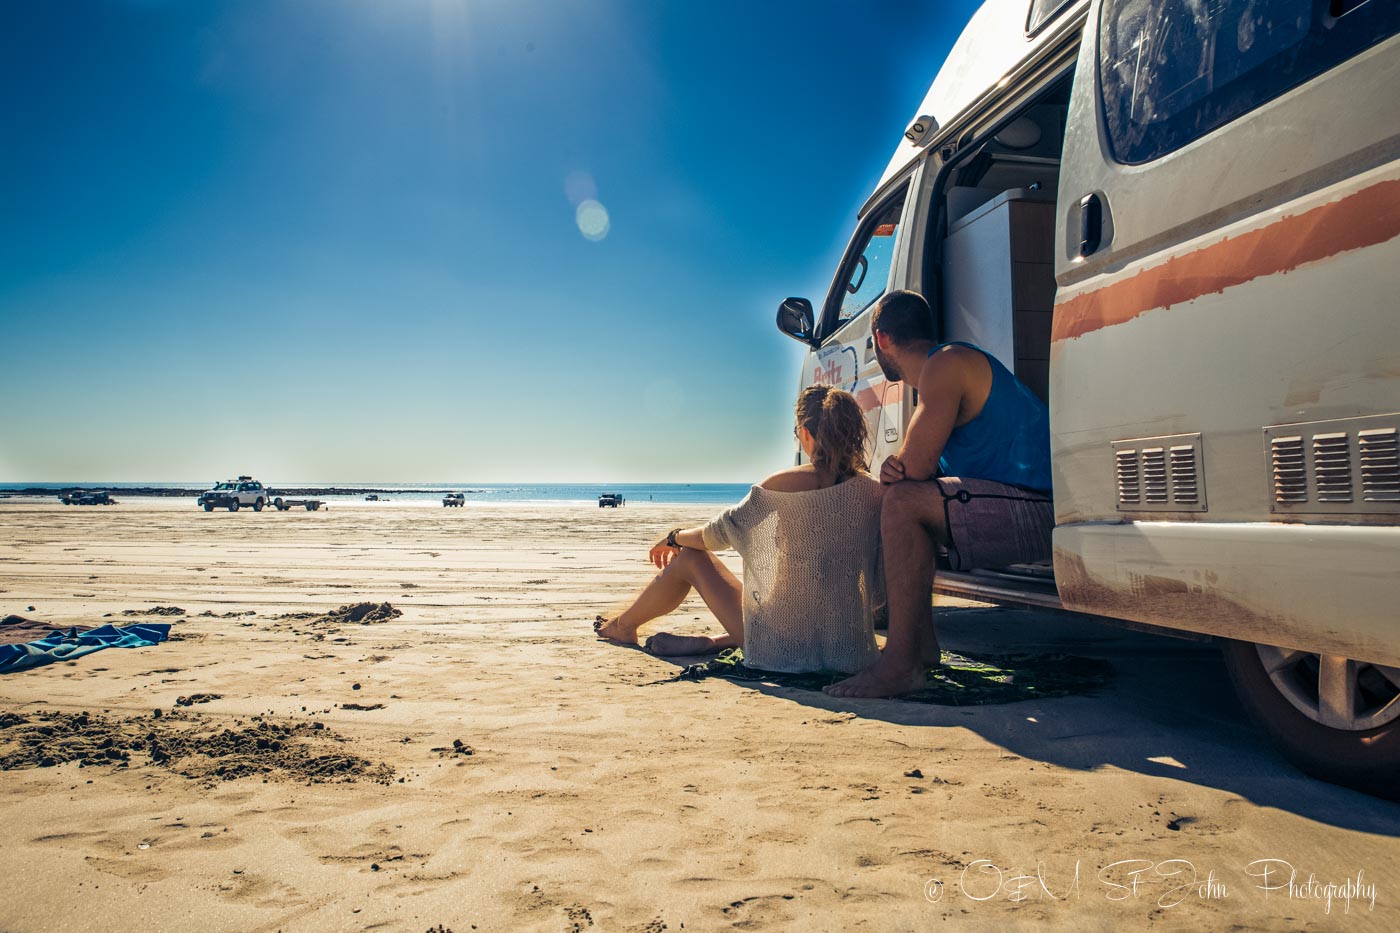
(1090,224)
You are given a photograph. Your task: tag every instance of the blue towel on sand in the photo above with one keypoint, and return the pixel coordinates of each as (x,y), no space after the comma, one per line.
(58,646)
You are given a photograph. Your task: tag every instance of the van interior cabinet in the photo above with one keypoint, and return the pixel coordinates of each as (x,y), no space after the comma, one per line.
(999,279)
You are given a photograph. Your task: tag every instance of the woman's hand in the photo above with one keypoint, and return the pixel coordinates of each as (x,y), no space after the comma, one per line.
(662,554)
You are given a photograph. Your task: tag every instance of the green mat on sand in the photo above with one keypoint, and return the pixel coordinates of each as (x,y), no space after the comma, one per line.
(962,680)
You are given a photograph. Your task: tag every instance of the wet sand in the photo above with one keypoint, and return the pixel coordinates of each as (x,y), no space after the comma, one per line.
(480,761)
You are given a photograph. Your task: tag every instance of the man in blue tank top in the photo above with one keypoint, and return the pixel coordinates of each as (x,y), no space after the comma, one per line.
(973,475)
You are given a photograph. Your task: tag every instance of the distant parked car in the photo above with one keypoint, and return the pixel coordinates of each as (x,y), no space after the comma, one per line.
(457,499)
(234,493)
(610,500)
(79,497)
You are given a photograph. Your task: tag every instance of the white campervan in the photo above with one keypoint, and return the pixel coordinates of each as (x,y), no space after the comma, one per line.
(1178,221)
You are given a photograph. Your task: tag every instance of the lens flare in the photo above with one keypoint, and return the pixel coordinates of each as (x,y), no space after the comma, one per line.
(579,187)
(592,220)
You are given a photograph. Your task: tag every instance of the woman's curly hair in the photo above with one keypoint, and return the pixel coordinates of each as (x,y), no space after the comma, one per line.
(837,424)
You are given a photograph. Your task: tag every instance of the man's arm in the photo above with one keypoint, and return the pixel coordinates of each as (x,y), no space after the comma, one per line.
(942,385)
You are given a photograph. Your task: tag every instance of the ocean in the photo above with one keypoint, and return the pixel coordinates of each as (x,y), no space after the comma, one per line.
(716,494)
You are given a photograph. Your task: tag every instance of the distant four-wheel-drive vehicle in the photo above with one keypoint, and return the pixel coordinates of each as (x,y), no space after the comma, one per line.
(235,493)
(610,500)
(79,497)
(457,499)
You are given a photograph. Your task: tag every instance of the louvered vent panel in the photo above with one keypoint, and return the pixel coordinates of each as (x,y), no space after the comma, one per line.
(1129,483)
(1290,470)
(1379,453)
(1345,466)
(1182,463)
(1332,467)
(1154,475)
(1160,474)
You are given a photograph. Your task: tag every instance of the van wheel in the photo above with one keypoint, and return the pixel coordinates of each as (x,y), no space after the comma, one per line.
(1334,718)
(233,506)
(257,505)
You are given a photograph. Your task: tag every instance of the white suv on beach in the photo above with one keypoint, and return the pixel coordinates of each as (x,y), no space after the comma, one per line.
(235,493)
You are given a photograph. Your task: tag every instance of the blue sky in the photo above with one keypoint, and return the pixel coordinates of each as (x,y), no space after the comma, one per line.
(338,241)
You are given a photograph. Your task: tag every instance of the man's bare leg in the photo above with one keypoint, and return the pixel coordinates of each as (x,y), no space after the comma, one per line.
(912,525)
(690,569)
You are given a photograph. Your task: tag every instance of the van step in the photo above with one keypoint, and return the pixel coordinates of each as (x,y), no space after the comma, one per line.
(999,586)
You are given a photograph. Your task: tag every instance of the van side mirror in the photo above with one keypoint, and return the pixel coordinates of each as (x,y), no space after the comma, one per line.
(795,320)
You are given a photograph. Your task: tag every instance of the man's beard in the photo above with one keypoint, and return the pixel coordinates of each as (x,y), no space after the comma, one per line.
(887,365)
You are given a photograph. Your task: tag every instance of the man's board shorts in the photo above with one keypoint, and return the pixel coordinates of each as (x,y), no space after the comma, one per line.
(991,524)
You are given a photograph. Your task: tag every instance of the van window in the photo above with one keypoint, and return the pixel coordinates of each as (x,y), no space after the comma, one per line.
(1042,11)
(867,269)
(1170,71)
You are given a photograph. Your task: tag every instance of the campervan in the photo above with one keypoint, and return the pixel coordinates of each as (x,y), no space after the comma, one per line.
(1179,224)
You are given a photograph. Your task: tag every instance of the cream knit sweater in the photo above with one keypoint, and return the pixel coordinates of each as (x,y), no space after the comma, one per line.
(812,574)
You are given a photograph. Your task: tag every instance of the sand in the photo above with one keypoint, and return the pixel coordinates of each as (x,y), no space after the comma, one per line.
(480,761)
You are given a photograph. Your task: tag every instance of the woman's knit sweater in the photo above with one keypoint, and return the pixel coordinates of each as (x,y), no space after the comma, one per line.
(812,574)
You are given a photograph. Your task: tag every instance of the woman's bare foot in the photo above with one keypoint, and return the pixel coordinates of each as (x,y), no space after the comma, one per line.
(613,631)
(668,645)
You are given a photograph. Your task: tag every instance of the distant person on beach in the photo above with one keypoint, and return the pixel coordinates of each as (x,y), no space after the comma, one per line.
(809,537)
(973,476)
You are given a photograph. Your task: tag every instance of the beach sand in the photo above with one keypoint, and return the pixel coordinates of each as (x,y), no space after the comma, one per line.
(589,791)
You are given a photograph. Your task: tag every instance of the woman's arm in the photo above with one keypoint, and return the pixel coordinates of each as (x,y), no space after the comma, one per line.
(662,552)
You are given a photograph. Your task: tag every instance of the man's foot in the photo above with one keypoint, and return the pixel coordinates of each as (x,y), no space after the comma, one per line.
(930,654)
(667,645)
(881,679)
(612,631)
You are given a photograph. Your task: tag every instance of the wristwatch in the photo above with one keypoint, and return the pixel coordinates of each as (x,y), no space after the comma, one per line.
(671,538)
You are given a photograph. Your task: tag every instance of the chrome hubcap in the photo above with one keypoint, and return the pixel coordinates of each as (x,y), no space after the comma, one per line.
(1336,692)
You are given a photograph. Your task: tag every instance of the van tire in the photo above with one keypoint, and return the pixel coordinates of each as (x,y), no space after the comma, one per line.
(1362,760)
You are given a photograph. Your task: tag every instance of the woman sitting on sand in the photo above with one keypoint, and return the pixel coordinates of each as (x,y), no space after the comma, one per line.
(809,538)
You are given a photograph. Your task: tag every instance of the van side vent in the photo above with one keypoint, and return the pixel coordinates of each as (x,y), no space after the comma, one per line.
(1182,462)
(1154,475)
(1380,465)
(1129,483)
(1347,466)
(1332,467)
(1160,474)
(1290,470)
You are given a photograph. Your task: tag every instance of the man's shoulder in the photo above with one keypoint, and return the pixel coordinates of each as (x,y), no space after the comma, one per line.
(950,363)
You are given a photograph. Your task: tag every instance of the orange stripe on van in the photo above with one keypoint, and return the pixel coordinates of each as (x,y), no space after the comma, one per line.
(1368,217)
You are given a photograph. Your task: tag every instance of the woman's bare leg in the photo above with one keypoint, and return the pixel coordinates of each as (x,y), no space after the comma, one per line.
(691,569)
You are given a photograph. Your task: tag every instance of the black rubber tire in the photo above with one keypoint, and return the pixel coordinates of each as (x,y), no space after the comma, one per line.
(310,507)
(233,506)
(208,507)
(1366,761)
(258,505)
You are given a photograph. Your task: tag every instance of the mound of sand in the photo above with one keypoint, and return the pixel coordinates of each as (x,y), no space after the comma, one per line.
(351,614)
(187,745)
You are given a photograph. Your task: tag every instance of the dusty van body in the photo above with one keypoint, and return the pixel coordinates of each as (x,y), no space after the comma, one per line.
(1179,223)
